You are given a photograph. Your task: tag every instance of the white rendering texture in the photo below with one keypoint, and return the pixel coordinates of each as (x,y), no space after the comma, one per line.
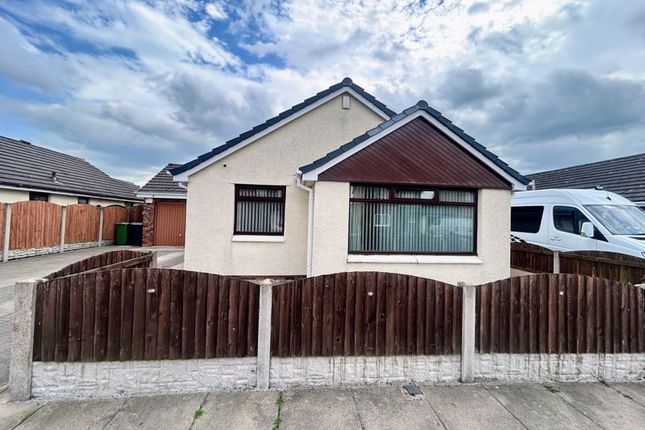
(128,378)
(331,230)
(271,160)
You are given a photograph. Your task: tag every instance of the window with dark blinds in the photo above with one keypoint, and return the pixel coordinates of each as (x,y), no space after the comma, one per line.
(259,209)
(411,220)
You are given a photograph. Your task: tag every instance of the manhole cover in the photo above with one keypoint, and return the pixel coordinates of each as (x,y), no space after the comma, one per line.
(413,390)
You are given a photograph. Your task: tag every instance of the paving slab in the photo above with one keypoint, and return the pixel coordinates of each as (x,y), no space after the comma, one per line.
(12,414)
(483,410)
(388,408)
(319,408)
(537,407)
(238,410)
(158,412)
(73,415)
(604,405)
(634,391)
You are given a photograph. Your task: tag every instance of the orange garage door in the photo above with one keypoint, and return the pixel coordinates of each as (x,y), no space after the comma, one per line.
(170,223)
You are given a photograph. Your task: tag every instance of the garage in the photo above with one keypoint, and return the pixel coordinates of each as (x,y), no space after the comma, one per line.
(164,210)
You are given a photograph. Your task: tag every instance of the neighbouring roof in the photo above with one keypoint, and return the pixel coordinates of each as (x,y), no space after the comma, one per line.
(24,165)
(163,184)
(624,176)
(386,126)
(345,83)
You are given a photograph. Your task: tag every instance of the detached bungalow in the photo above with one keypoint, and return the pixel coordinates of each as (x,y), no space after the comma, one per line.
(340,183)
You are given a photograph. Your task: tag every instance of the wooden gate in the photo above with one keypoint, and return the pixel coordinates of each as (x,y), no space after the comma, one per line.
(170,223)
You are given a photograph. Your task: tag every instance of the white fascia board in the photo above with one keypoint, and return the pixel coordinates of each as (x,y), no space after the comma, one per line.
(183,177)
(162,196)
(69,193)
(313,174)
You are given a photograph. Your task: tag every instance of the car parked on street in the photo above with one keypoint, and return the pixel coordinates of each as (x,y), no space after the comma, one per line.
(576,220)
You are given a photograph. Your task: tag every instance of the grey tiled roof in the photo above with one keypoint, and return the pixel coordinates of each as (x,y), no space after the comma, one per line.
(162,183)
(421,105)
(347,82)
(624,176)
(24,165)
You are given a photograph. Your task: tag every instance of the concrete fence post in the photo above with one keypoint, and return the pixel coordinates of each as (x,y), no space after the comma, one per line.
(264,335)
(63,223)
(556,261)
(100,225)
(22,343)
(7,233)
(467,332)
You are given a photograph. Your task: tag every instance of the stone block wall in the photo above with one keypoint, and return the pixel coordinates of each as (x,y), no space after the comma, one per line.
(148,224)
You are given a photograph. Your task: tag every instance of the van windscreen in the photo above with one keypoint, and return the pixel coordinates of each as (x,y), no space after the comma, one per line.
(526,219)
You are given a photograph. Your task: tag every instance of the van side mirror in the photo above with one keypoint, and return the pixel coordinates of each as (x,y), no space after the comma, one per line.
(587,229)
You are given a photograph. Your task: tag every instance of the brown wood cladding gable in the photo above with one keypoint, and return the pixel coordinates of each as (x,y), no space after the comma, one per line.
(416,153)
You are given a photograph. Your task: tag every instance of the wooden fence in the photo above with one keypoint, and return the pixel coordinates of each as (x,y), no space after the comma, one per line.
(136,314)
(365,313)
(34,225)
(560,313)
(609,265)
(144,314)
(107,261)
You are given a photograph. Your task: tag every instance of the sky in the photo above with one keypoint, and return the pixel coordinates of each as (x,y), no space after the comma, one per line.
(133,85)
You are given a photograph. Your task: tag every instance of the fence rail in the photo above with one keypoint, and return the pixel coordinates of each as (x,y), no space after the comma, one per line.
(365,313)
(608,265)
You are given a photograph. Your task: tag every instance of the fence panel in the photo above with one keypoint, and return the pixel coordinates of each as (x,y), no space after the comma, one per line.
(34,225)
(82,223)
(131,259)
(152,314)
(365,313)
(560,313)
(111,216)
(135,213)
(609,265)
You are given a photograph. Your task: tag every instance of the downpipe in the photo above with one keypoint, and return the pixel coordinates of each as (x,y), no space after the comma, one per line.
(310,221)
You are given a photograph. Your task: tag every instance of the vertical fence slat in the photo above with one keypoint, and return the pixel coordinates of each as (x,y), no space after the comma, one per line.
(139,313)
(152,313)
(176,319)
(211,315)
(127,314)
(163,324)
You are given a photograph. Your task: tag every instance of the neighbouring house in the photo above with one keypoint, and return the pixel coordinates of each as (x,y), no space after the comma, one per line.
(31,172)
(341,183)
(164,210)
(624,176)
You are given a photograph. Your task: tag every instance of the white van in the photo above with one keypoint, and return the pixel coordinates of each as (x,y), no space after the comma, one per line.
(575,220)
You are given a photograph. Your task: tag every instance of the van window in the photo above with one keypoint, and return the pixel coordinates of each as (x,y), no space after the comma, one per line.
(526,219)
(568,219)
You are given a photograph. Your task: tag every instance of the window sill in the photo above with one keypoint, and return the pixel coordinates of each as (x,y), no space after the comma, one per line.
(414,259)
(257,238)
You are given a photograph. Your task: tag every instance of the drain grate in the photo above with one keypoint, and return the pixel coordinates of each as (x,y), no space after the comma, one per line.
(413,390)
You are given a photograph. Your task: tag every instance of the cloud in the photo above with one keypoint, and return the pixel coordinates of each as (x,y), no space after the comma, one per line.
(166,80)
(467,87)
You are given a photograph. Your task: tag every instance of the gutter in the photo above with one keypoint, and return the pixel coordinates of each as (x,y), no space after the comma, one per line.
(310,221)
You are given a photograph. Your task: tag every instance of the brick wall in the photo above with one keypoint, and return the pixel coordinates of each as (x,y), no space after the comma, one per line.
(148,224)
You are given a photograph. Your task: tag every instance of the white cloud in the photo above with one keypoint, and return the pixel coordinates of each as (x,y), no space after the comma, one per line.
(164,88)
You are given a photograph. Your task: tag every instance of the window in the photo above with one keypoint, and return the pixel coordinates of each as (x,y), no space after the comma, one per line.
(38,197)
(259,209)
(83,200)
(411,220)
(526,219)
(568,219)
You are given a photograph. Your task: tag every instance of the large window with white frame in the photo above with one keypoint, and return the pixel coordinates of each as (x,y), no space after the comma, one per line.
(412,220)
(259,209)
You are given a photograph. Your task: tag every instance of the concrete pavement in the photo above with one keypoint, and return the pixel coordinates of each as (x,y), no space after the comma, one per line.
(473,406)
(37,267)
